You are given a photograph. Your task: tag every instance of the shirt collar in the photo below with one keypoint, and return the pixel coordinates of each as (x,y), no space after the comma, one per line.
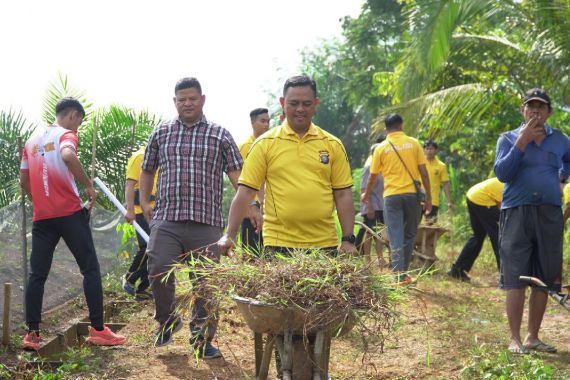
(201,120)
(288,130)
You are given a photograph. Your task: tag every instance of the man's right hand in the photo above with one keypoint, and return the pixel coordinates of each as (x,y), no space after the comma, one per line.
(365,199)
(147,211)
(92,194)
(226,245)
(130,216)
(530,131)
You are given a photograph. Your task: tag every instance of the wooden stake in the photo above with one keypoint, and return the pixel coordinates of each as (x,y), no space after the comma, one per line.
(6,318)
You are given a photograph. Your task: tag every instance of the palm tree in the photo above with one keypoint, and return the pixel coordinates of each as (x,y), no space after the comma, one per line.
(12,125)
(467,59)
(119,131)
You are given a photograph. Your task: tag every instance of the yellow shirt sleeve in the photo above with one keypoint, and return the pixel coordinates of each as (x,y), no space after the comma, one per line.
(255,166)
(341,177)
(421,157)
(134,167)
(376,164)
(443,175)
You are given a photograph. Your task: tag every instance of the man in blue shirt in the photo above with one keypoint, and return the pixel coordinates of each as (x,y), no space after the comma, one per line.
(531,160)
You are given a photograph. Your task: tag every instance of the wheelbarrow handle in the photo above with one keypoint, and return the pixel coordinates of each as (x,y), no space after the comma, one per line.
(532,280)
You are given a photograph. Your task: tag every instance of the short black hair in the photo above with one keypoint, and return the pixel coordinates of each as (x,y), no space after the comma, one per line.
(67,104)
(430,142)
(300,81)
(380,138)
(188,82)
(393,121)
(256,112)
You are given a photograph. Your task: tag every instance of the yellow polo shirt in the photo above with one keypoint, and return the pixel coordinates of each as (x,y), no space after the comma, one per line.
(244,150)
(300,176)
(385,160)
(437,175)
(487,193)
(246,146)
(134,173)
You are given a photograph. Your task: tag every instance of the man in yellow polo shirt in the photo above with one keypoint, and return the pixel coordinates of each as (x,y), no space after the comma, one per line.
(251,239)
(438,178)
(138,270)
(402,162)
(306,174)
(483,203)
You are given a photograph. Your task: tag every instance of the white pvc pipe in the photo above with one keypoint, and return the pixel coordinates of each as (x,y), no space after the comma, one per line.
(120,207)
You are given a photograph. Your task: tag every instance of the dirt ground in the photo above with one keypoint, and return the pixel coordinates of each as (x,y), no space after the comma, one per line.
(443,325)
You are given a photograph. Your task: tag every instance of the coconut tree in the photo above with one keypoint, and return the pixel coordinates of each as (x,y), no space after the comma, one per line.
(466,59)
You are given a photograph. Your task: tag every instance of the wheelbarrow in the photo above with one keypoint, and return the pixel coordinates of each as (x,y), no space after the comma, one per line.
(280,324)
(561,298)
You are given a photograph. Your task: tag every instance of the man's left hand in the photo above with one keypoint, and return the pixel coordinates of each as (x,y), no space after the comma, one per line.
(427,206)
(347,247)
(255,217)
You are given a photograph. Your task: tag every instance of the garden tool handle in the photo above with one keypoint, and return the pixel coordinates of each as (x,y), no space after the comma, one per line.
(532,280)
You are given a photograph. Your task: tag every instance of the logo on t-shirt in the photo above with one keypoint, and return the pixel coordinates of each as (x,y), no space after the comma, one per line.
(324,156)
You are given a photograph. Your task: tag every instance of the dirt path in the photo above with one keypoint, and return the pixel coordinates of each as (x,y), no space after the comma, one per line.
(444,326)
(439,333)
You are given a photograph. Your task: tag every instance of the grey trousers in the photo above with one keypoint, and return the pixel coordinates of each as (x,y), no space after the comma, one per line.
(169,242)
(402,213)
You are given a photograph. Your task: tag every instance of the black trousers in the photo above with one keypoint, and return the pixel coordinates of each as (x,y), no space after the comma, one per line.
(138,269)
(251,239)
(75,231)
(484,221)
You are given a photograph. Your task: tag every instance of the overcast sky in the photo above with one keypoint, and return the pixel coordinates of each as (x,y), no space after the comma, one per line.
(132,52)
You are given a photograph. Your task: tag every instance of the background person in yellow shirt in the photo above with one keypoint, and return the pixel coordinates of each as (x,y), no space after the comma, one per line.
(401,160)
(566,200)
(259,124)
(438,178)
(138,270)
(483,203)
(306,174)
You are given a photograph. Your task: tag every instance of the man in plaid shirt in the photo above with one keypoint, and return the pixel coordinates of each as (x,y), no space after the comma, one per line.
(193,153)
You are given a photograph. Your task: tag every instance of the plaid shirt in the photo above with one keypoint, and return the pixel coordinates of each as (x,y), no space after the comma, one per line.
(192,161)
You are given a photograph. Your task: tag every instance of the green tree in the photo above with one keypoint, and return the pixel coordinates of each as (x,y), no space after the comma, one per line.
(465,66)
(12,125)
(343,71)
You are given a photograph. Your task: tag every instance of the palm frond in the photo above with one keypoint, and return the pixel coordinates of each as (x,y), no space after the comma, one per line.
(441,112)
(57,90)
(120,131)
(12,125)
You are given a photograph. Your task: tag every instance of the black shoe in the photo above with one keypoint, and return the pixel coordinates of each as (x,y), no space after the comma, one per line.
(143,295)
(458,273)
(163,335)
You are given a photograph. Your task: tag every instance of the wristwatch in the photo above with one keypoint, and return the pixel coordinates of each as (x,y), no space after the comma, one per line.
(349,238)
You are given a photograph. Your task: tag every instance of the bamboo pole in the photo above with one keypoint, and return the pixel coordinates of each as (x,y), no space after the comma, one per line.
(23,233)
(6,317)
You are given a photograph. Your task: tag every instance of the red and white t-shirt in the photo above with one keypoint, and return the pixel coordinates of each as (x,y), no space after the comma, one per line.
(54,192)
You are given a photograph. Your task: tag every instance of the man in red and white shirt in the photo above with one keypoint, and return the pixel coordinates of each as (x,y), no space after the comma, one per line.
(48,172)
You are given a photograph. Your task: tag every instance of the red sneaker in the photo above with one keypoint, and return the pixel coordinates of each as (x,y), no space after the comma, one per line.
(105,337)
(407,280)
(31,341)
